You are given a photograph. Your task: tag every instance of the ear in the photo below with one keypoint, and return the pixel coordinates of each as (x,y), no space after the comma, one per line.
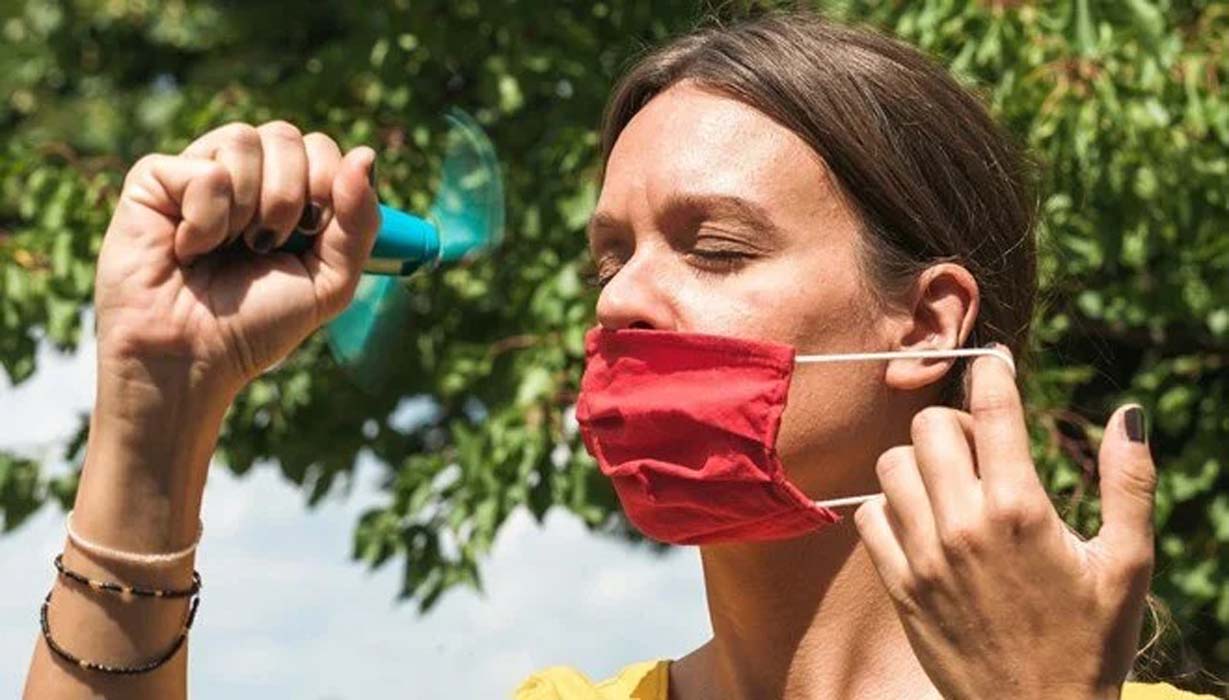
(939,315)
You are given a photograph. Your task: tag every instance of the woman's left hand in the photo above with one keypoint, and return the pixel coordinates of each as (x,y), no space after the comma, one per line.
(997,596)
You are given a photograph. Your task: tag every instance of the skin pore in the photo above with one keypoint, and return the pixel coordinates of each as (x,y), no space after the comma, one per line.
(715,219)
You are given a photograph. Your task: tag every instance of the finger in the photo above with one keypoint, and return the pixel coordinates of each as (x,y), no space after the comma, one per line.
(945,463)
(907,500)
(283,186)
(1128,483)
(200,197)
(323,160)
(336,262)
(237,147)
(1001,438)
(875,531)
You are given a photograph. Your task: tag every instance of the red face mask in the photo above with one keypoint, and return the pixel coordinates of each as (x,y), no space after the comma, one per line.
(685,425)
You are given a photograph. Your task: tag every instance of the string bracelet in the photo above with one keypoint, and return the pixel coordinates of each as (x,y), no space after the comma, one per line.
(144,667)
(126,590)
(130,557)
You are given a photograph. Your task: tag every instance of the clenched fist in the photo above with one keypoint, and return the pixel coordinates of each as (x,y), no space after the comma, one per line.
(190,284)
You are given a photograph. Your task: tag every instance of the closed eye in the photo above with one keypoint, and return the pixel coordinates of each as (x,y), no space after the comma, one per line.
(718,260)
(718,253)
(598,273)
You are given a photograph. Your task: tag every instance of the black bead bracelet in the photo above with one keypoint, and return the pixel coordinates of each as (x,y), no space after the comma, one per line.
(123,589)
(107,668)
(192,593)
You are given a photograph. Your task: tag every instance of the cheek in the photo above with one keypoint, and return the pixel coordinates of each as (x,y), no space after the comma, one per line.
(724,308)
(835,426)
(776,301)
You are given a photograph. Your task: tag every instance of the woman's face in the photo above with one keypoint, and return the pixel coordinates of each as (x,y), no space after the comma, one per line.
(715,219)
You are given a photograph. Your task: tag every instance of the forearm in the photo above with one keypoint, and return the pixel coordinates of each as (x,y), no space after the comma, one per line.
(140,491)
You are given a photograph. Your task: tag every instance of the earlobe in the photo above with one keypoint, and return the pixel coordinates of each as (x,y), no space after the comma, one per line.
(941,314)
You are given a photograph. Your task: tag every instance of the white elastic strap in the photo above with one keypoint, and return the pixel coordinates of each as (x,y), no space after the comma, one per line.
(892,355)
(850,501)
(133,557)
(910,355)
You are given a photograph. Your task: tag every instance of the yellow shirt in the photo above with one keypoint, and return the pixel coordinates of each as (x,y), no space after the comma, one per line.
(649,681)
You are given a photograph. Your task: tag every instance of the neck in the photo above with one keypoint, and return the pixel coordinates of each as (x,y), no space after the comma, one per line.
(800,619)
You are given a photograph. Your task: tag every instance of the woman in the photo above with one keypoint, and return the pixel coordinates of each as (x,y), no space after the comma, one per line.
(777,185)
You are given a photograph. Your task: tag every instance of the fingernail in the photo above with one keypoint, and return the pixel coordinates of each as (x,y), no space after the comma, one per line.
(1133,421)
(262,242)
(309,222)
(371,173)
(991,345)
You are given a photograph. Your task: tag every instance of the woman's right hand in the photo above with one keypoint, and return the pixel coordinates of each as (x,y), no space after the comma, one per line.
(177,305)
(185,319)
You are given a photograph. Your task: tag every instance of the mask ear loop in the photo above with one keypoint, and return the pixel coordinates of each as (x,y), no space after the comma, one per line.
(897,355)
(909,355)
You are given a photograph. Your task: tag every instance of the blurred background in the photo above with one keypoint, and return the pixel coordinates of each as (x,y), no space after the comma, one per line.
(496,546)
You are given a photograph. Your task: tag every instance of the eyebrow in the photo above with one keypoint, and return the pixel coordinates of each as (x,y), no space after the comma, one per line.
(603,221)
(718,206)
(721,206)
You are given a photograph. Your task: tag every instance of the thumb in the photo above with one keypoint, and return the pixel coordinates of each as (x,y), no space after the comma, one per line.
(1128,482)
(345,245)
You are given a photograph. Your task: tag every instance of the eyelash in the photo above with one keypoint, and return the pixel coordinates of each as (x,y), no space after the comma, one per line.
(591,275)
(707,262)
(719,261)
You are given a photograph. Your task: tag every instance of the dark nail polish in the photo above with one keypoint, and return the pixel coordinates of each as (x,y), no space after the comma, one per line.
(309,222)
(1133,421)
(371,175)
(262,242)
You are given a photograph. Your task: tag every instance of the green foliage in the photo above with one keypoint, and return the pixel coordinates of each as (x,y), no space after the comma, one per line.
(1123,103)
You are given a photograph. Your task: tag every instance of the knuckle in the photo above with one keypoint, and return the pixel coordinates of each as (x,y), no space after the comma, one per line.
(240,134)
(960,541)
(1004,508)
(1137,564)
(144,166)
(1009,513)
(994,402)
(928,574)
(892,460)
(319,138)
(281,205)
(865,516)
(279,128)
(215,177)
(907,592)
(928,419)
(1138,481)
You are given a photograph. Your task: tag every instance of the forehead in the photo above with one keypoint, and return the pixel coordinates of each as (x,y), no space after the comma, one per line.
(688,140)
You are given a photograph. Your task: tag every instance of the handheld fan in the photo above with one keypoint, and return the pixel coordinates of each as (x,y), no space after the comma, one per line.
(465,219)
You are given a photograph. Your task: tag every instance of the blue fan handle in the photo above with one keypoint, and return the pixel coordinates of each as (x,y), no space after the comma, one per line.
(403,244)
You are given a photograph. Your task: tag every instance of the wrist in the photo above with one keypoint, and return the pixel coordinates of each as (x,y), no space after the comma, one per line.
(152,434)
(170,373)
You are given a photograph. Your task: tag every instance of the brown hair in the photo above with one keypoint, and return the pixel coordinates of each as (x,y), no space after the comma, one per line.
(931,175)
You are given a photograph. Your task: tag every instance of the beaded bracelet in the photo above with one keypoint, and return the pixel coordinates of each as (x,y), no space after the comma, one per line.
(119,670)
(126,590)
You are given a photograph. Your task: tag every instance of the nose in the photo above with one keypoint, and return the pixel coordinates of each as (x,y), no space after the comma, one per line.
(636,297)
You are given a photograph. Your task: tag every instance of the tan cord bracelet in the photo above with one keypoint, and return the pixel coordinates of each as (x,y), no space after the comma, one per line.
(131,557)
